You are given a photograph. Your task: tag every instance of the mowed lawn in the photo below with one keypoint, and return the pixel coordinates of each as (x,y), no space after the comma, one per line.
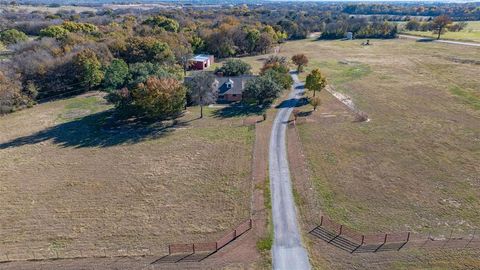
(71,179)
(470,33)
(415,165)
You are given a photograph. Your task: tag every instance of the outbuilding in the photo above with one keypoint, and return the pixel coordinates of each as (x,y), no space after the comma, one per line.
(201,62)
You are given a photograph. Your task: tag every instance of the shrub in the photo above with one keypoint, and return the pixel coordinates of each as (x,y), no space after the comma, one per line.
(115,74)
(159,97)
(12,36)
(261,90)
(163,22)
(54,31)
(234,67)
(361,117)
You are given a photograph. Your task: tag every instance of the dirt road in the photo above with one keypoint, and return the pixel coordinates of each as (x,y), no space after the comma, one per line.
(288,251)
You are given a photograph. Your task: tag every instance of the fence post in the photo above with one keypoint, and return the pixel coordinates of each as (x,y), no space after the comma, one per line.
(193,247)
(251,223)
(235,234)
(341,229)
(216,245)
(473,236)
(169,250)
(385,241)
(321,221)
(450,237)
(363,240)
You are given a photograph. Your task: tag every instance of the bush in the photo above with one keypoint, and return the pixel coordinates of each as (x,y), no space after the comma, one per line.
(11,96)
(12,36)
(54,31)
(361,117)
(261,90)
(163,22)
(159,98)
(234,67)
(115,74)
(282,78)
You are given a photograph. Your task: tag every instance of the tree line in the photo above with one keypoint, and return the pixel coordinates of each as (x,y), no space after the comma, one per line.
(67,52)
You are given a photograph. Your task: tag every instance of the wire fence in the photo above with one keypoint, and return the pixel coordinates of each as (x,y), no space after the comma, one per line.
(174,252)
(352,241)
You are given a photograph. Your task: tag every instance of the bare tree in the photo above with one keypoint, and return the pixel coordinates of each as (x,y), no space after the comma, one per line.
(203,89)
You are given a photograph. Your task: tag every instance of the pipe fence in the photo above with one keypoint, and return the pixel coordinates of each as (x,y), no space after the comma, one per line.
(196,252)
(176,252)
(352,241)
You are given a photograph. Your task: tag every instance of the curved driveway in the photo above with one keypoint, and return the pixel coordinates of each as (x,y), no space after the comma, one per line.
(287,252)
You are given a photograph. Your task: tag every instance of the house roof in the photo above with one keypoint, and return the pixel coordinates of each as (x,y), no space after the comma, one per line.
(232,85)
(201,58)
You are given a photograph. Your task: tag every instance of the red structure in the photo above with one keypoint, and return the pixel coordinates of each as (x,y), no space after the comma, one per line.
(201,62)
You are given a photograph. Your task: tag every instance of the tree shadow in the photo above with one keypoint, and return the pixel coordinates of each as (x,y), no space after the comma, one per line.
(239,109)
(305,114)
(102,129)
(293,102)
(425,40)
(300,87)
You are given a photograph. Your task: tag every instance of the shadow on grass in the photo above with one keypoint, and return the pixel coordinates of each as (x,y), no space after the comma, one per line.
(98,130)
(425,40)
(305,114)
(292,103)
(239,109)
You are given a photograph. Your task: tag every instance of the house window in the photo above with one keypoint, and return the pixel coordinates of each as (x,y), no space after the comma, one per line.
(234,95)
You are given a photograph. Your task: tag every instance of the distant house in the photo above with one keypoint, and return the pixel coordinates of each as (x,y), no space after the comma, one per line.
(230,89)
(201,62)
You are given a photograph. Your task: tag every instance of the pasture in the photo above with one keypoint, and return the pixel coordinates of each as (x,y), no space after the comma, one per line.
(414,165)
(71,178)
(470,33)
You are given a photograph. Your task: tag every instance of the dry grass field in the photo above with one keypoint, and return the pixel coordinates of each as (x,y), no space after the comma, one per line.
(415,165)
(70,179)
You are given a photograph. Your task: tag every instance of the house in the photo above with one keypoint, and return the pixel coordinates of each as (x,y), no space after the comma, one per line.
(201,62)
(230,89)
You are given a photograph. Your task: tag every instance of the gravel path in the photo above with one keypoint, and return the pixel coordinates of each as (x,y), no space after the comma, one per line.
(288,251)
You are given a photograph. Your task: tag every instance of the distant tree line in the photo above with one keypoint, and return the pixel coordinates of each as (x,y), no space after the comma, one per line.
(433,25)
(360,28)
(457,11)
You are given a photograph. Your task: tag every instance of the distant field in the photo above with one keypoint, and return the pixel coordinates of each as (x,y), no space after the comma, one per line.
(71,179)
(43,8)
(470,33)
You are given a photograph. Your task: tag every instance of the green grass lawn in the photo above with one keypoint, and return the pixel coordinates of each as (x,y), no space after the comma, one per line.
(470,33)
